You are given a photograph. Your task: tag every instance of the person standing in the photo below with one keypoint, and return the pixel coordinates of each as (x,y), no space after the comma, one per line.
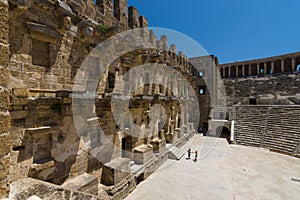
(189,154)
(196,156)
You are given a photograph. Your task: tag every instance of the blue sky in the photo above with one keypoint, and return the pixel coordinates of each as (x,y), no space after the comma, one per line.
(232,30)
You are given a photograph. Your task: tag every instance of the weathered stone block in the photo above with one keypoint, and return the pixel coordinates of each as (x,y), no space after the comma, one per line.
(3,189)
(5,145)
(42,171)
(84,183)
(4,52)
(4,75)
(4,122)
(18,114)
(142,154)
(3,33)
(4,98)
(4,11)
(159,145)
(4,166)
(20,92)
(20,101)
(171,137)
(115,171)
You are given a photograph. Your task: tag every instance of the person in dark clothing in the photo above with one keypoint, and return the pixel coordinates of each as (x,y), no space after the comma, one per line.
(189,154)
(196,156)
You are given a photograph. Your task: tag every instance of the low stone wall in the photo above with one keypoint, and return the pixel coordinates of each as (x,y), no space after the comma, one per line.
(27,187)
(266,90)
(272,127)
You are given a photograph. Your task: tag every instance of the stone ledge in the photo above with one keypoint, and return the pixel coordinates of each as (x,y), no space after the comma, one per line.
(83,183)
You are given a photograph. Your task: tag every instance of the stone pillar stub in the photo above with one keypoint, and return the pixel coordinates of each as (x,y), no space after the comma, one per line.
(173,48)
(164,42)
(143,22)
(115,171)
(133,17)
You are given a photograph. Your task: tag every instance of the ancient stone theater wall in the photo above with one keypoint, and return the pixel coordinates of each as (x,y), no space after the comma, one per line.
(48,42)
(263,99)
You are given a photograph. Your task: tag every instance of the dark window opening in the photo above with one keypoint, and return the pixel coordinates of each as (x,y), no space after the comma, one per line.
(252,101)
(19,148)
(40,53)
(111,80)
(202,90)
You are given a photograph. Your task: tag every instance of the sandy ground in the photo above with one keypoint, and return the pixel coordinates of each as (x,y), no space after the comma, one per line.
(223,172)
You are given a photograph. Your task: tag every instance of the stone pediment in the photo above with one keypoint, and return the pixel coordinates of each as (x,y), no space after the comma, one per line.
(42,32)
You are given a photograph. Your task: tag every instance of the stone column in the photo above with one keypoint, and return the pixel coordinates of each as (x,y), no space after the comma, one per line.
(223,72)
(265,68)
(249,70)
(258,69)
(229,72)
(293,64)
(237,71)
(243,68)
(5,120)
(272,66)
(282,65)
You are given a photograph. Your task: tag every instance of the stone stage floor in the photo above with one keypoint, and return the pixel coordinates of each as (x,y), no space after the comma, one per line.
(223,171)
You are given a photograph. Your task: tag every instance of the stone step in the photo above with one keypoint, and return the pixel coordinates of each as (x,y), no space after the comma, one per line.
(84,183)
(176,153)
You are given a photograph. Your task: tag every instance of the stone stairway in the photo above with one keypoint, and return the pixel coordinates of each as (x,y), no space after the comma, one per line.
(176,153)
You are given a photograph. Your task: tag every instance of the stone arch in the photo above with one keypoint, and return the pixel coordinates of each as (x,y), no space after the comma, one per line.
(277,66)
(288,65)
(226,72)
(254,69)
(246,70)
(240,70)
(233,71)
(262,69)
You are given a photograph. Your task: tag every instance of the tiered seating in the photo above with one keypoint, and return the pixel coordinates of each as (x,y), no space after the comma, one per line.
(271,127)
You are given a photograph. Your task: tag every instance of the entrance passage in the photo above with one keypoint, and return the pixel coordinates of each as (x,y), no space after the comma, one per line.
(224,133)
